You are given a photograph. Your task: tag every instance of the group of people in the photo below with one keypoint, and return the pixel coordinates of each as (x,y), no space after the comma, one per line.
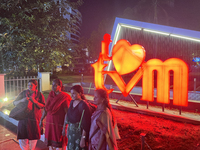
(72,120)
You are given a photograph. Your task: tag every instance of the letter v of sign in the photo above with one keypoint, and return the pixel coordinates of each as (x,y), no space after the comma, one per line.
(126,59)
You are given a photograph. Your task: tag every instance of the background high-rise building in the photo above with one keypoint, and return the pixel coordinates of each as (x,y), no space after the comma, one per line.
(75,16)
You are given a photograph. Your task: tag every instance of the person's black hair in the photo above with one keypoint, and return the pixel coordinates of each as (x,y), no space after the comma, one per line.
(33,81)
(79,89)
(59,82)
(104,95)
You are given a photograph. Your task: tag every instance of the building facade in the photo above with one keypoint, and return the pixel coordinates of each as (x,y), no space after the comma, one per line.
(76,18)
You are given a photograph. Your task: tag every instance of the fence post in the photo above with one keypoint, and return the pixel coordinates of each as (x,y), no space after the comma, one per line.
(81,77)
(2,87)
(44,81)
(195,84)
(142,136)
(21,84)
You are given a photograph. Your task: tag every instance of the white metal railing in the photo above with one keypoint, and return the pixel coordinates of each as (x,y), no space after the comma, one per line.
(13,86)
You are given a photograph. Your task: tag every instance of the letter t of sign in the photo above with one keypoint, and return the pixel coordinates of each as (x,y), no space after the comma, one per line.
(99,66)
(98,75)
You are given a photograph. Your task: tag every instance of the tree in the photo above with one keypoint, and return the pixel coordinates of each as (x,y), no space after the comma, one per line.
(153,11)
(94,42)
(150,11)
(34,33)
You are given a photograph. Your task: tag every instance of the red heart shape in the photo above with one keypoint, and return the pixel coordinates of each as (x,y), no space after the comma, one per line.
(126,57)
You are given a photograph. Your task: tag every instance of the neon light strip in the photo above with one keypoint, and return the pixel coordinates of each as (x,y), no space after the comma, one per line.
(117,33)
(158,32)
(154,31)
(132,27)
(136,28)
(184,37)
(114,42)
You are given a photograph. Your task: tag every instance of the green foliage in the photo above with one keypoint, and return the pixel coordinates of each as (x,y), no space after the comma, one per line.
(94,42)
(33,33)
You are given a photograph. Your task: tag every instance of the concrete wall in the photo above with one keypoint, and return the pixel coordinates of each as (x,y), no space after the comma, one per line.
(44,81)
(2,87)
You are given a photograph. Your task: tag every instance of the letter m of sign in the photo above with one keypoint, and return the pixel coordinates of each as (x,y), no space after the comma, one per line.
(180,81)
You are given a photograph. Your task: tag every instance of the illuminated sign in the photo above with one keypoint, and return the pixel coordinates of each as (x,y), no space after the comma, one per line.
(180,81)
(128,58)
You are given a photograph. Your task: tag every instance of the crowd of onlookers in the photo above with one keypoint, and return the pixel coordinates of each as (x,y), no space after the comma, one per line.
(72,122)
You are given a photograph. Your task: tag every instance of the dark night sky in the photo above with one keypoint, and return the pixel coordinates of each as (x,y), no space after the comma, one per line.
(185,13)
(94,11)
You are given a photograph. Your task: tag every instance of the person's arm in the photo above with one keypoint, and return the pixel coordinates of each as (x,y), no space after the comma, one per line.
(82,142)
(42,118)
(19,101)
(101,140)
(103,137)
(40,105)
(86,121)
(101,121)
(65,123)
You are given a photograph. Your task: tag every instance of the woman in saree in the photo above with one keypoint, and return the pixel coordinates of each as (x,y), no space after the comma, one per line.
(78,120)
(55,111)
(102,135)
(28,130)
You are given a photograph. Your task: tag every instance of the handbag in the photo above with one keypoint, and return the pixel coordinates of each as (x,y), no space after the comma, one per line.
(21,111)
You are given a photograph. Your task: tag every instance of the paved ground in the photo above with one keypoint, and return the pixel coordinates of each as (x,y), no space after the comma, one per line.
(8,137)
(8,126)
